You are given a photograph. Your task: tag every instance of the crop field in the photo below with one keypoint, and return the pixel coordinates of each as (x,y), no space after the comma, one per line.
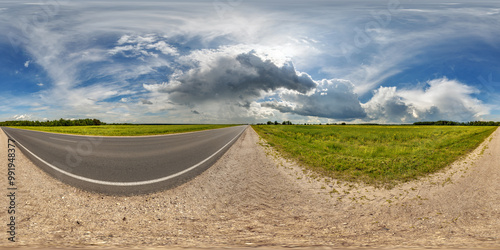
(124,130)
(377,155)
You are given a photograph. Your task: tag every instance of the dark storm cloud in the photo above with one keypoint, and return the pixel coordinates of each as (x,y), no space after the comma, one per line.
(240,78)
(333,99)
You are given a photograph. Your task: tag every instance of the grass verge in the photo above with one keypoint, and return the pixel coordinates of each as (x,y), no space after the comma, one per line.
(376,155)
(125,130)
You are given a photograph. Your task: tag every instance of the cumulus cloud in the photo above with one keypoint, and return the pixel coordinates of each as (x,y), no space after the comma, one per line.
(387,105)
(239,78)
(163,47)
(130,51)
(440,99)
(134,46)
(331,99)
(22,117)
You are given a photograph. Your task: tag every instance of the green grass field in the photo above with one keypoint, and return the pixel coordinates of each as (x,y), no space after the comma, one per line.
(125,130)
(377,155)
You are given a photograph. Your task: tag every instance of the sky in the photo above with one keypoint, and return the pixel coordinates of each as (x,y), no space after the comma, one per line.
(242,61)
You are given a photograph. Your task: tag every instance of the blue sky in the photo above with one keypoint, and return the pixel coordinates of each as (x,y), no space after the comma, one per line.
(225,61)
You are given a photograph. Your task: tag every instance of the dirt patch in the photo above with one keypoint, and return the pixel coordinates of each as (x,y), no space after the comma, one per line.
(252,197)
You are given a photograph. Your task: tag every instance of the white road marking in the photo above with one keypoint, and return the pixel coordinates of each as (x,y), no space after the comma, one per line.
(128,184)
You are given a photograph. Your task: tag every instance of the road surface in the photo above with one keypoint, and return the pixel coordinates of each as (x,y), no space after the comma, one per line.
(125,165)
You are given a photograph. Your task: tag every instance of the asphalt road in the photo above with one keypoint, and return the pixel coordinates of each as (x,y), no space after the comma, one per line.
(125,165)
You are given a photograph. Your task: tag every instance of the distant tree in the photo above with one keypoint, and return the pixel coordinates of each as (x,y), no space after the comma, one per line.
(452,123)
(60,122)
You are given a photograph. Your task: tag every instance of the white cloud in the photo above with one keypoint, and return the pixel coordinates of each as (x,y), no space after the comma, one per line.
(22,117)
(441,99)
(163,47)
(131,51)
(135,46)
(27,64)
(134,39)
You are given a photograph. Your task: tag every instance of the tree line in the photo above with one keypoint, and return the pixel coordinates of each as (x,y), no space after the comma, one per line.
(441,123)
(60,122)
(452,123)
(276,123)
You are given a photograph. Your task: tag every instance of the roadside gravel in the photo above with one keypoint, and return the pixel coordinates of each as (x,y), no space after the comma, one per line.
(253,197)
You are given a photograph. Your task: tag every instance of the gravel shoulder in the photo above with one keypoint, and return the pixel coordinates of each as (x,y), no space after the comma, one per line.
(253,197)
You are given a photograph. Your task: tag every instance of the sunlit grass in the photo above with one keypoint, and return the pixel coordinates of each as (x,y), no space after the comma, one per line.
(125,130)
(378,155)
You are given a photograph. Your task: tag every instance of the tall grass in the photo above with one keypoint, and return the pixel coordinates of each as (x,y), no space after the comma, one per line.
(125,130)
(378,155)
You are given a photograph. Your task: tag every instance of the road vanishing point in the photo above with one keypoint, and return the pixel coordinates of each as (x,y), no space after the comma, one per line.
(125,165)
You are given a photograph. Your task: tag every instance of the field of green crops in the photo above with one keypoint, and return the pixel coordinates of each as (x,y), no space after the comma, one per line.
(377,155)
(124,130)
